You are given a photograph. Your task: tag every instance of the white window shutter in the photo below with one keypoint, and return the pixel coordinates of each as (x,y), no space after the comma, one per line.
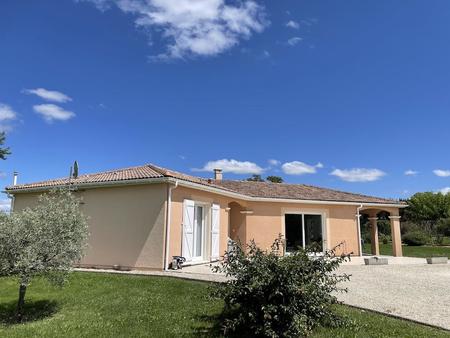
(188,229)
(215,231)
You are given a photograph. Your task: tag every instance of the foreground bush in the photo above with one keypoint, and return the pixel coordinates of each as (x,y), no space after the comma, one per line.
(415,238)
(270,295)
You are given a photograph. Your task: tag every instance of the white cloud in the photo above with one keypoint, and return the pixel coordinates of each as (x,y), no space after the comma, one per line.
(300,168)
(49,95)
(441,173)
(7,114)
(274,162)
(294,41)
(5,205)
(232,166)
(445,190)
(293,24)
(194,27)
(358,174)
(51,112)
(411,172)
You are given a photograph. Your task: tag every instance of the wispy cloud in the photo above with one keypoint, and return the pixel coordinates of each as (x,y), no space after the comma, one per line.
(358,174)
(7,114)
(194,27)
(300,168)
(51,112)
(411,172)
(294,41)
(445,190)
(49,95)
(293,24)
(232,166)
(274,162)
(309,22)
(441,173)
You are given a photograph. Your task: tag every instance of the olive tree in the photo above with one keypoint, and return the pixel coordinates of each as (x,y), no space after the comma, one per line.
(44,240)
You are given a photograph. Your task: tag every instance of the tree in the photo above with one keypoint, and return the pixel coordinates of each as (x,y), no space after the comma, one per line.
(274,179)
(255,178)
(45,240)
(3,151)
(75,169)
(426,209)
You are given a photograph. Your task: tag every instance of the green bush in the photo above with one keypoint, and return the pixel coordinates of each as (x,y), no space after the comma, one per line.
(443,227)
(385,239)
(270,295)
(366,237)
(416,238)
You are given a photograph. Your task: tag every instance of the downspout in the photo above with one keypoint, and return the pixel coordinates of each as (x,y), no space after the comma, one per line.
(13,196)
(358,216)
(168,220)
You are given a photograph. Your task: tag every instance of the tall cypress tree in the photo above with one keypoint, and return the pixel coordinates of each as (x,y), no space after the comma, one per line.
(4,151)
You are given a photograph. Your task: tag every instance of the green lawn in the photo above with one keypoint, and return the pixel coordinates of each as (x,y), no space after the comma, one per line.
(413,251)
(107,305)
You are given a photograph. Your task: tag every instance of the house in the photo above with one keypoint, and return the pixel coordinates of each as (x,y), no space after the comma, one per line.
(140,217)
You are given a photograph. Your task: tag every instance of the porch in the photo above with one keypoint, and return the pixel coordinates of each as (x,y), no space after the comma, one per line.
(374,216)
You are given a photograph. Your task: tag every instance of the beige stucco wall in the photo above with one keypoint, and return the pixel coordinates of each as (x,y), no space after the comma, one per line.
(126,224)
(267,222)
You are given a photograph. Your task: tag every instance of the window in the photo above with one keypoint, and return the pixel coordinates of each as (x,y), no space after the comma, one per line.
(302,230)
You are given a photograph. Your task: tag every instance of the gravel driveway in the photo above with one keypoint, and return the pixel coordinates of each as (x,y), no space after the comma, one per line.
(417,292)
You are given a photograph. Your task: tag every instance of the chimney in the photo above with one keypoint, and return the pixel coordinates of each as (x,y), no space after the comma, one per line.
(15,174)
(218,174)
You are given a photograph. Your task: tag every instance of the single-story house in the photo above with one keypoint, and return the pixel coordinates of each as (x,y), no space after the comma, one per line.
(140,217)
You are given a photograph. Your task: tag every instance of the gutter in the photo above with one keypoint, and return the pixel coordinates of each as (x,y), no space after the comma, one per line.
(203,187)
(358,220)
(170,187)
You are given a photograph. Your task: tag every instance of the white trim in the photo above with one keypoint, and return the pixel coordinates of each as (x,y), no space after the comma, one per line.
(395,217)
(358,224)
(209,189)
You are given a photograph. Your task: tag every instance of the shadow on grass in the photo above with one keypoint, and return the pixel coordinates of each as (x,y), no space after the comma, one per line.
(213,327)
(34,311)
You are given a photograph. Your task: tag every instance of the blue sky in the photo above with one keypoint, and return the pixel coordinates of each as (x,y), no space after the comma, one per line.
(342,94)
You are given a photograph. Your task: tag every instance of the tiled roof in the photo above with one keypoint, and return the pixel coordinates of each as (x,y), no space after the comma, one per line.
(251,189)
(297,192)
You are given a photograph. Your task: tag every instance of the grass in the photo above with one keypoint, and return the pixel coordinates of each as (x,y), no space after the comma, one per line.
(107,305)
(413,251)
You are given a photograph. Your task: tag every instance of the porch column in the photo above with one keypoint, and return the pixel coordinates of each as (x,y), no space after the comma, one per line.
(396,236)
(374,236)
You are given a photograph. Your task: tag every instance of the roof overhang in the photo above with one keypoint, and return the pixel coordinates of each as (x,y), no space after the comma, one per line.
(212,189)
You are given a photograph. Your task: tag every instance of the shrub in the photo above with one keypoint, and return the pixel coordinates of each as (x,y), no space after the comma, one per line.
(443,227)
(271,295)
(416,238)
(366,238)
(385,239)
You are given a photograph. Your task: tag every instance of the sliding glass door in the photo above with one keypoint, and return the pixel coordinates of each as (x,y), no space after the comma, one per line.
(302,230)
(199,226)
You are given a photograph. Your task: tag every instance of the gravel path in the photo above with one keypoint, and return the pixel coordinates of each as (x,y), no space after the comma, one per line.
(416,292)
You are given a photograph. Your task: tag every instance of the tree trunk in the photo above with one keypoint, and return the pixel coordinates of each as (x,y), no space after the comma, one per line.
(21,303)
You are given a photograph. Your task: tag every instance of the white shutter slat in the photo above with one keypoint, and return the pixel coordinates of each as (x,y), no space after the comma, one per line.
(215,231)
(188,229)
